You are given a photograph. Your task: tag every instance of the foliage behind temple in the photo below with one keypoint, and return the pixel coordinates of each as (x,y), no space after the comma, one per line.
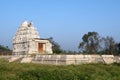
(93,43)
(5,50)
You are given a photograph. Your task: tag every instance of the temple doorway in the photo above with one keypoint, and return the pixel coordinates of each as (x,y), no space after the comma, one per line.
(40,47)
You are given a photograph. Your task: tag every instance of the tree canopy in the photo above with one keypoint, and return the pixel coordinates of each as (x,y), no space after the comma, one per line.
(55,46)
(5,50)
(93,43)
(90,42)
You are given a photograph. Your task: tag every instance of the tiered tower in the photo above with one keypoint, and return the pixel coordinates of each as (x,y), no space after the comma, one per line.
(27,41)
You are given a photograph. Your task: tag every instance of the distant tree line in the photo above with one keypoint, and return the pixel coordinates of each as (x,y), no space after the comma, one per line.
(5,50)
(92,43)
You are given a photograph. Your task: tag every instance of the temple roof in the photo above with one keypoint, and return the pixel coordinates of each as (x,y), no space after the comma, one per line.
(26,32)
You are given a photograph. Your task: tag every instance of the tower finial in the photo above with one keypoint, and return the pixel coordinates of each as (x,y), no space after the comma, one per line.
(25,23)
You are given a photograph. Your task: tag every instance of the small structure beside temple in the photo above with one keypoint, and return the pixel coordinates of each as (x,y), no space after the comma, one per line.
(27,41)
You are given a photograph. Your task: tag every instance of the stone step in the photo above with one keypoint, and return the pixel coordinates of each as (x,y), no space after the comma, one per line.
(26,60)
(14,58)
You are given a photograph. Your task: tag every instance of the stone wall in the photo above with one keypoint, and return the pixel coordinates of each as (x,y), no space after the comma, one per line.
(65,59)
(75,59)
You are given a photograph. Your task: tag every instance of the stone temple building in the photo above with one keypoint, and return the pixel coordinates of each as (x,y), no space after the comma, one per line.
(27,41)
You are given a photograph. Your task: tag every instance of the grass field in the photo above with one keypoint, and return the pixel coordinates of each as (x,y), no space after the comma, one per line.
(18,71)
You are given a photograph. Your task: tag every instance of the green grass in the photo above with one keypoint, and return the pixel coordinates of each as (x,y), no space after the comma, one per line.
(29,71)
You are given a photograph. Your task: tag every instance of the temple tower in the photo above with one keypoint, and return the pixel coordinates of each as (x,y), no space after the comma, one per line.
(27,41)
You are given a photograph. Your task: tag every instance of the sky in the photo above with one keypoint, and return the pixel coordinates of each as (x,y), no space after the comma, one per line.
(64,20)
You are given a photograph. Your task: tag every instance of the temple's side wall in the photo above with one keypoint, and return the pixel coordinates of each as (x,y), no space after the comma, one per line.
(33,47)
(20,48)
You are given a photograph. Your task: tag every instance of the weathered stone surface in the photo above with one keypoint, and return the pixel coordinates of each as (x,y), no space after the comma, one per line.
(26,60)
(14,58)
(108,59)
(96,59)
(27,41)
(65,59)
(117,59)
(74,59)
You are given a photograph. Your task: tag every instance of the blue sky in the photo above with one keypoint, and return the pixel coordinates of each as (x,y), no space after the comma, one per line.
(65,20)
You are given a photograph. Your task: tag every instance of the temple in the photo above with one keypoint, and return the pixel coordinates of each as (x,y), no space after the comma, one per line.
(27,41)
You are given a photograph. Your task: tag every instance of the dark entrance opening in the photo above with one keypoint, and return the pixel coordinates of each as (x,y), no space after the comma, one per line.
(40,47)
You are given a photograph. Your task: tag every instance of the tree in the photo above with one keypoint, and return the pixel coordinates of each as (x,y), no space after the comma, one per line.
(90,43)
(5,50)
(108,46)
(55,46)
(2,48)
(93,43)
(117,48)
